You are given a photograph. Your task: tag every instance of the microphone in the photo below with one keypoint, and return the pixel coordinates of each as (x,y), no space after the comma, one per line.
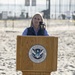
(42,25)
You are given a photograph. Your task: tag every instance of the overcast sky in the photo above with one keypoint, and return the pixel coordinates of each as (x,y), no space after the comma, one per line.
(38,1)
(19,1)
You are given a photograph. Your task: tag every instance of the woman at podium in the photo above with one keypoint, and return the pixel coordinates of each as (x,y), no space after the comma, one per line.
(37,27)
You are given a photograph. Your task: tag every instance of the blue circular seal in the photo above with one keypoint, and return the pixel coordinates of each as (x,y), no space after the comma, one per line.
(37,53)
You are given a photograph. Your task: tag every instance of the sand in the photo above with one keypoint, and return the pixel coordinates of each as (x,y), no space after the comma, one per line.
(64,30)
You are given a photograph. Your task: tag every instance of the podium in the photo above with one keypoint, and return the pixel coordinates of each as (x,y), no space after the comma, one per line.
(36,55)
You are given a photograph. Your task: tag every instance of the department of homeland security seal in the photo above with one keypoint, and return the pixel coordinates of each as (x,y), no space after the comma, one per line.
(37,53)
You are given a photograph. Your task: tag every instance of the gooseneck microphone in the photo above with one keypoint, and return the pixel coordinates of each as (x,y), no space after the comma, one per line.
(42,25)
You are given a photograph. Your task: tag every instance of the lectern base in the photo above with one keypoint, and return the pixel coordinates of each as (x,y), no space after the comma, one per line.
(35,73)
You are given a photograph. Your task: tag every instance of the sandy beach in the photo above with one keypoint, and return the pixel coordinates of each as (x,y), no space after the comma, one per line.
(64,30)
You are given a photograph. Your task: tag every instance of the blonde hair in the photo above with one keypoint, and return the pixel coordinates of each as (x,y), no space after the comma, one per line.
(33,17)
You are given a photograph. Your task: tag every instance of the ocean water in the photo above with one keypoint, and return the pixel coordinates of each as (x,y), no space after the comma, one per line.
(15,10)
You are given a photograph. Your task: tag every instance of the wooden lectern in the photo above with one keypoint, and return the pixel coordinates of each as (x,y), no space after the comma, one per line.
(36,55)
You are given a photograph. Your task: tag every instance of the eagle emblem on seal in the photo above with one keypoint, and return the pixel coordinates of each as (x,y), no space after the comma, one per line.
(37,53)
